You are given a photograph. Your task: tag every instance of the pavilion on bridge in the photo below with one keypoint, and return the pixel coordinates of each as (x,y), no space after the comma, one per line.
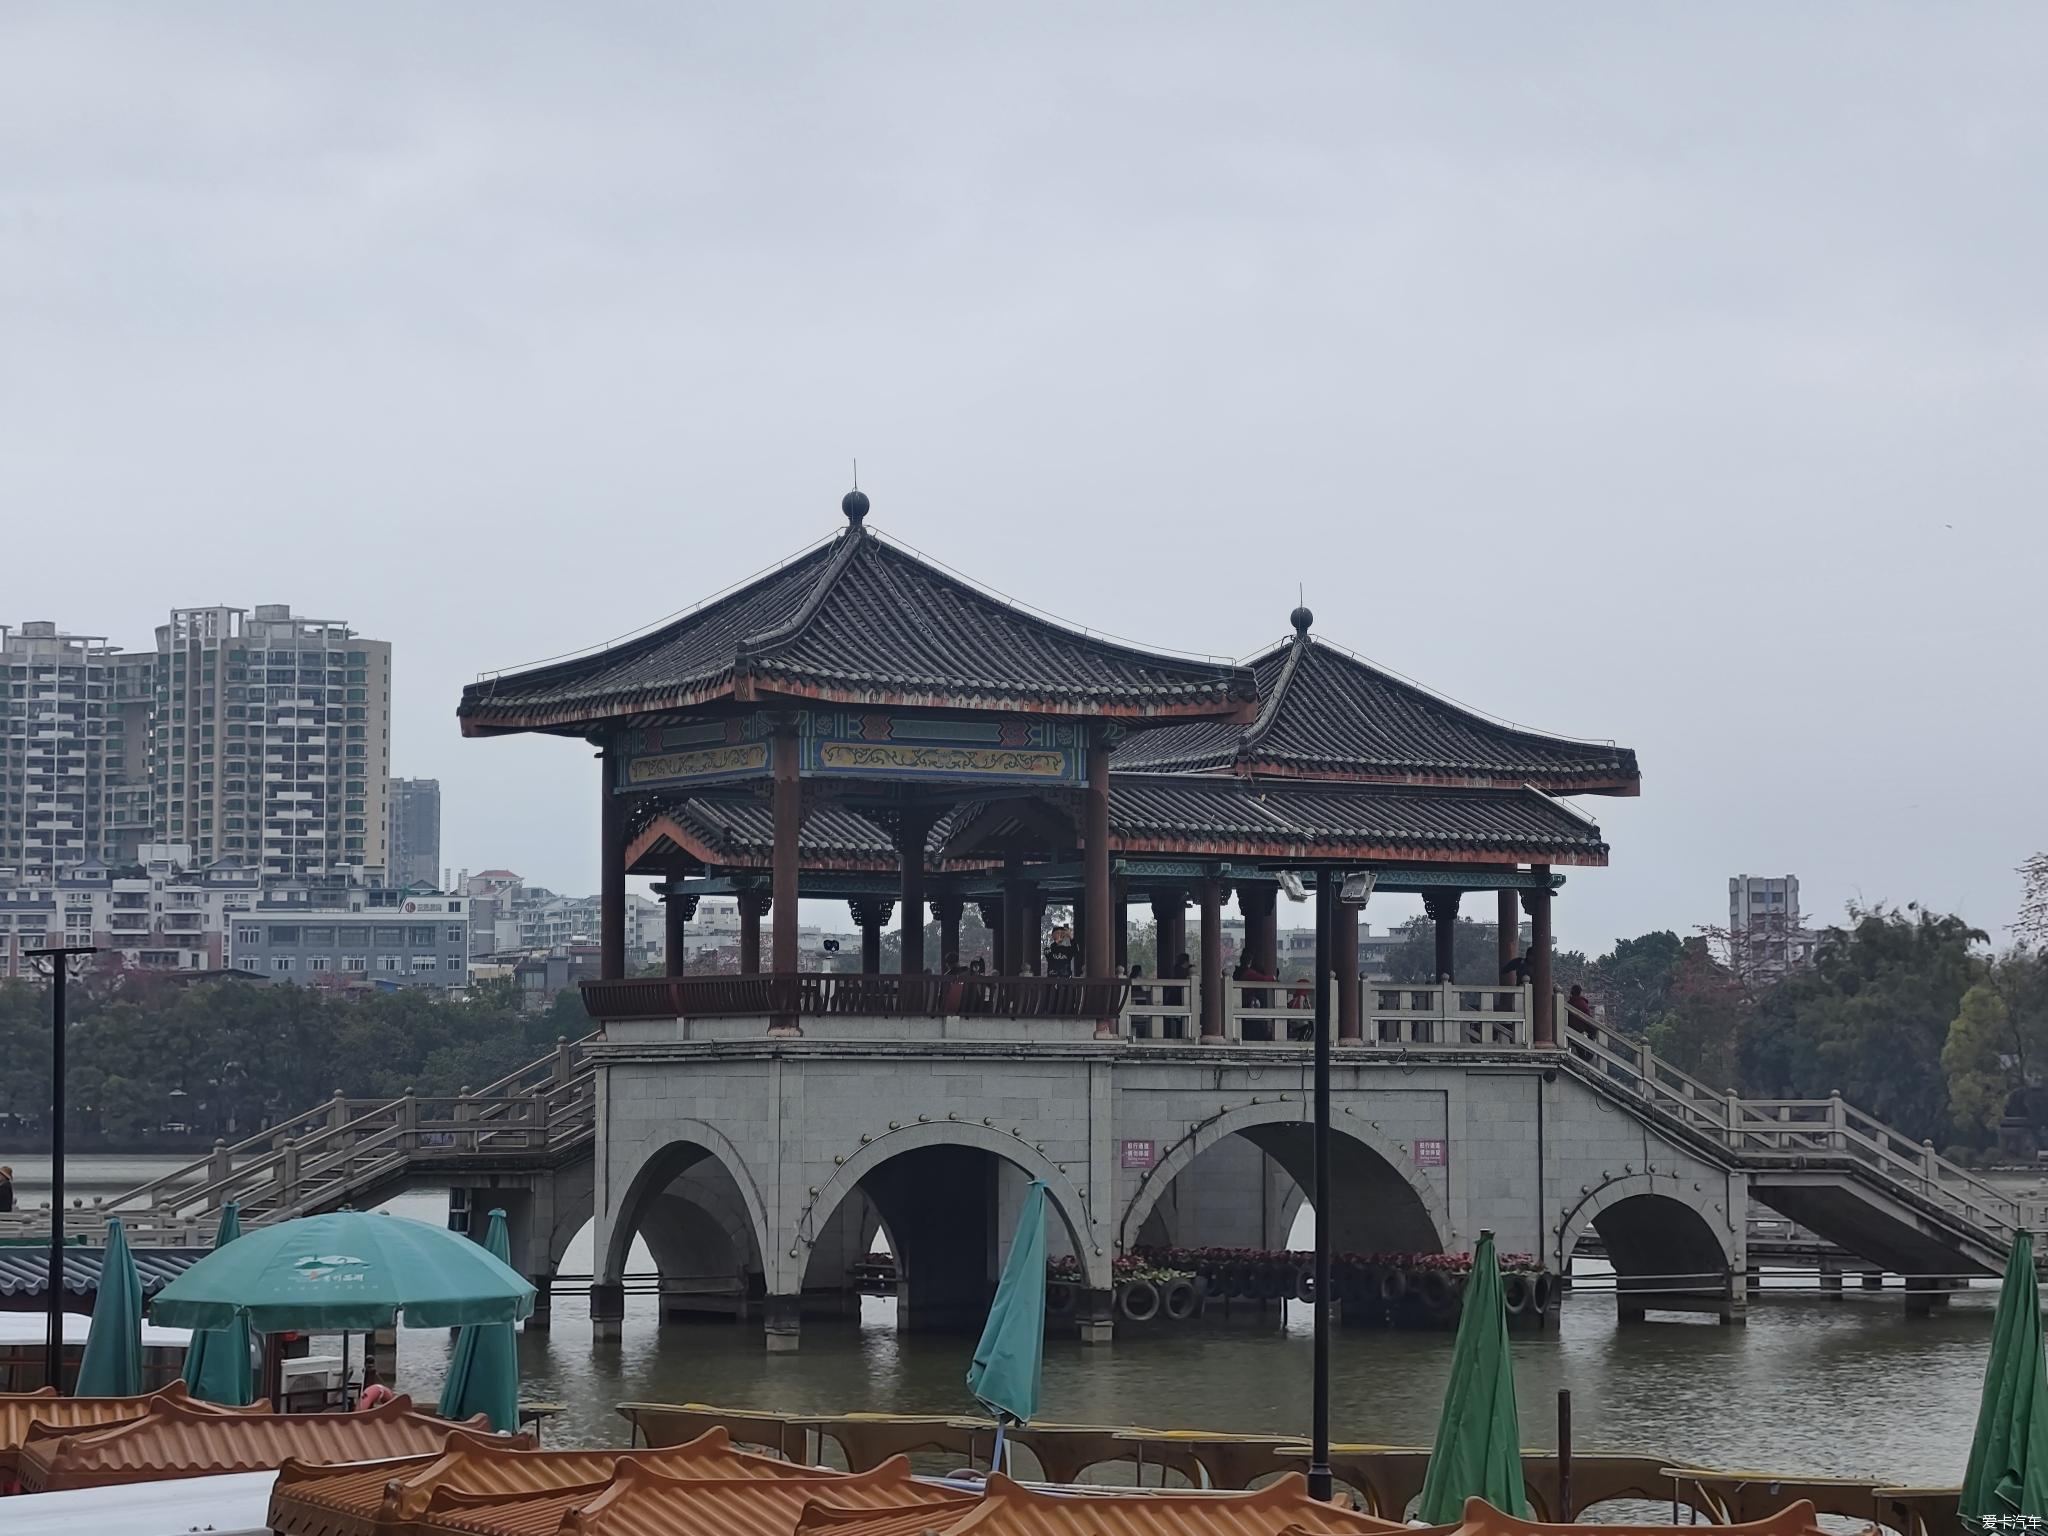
(859,724)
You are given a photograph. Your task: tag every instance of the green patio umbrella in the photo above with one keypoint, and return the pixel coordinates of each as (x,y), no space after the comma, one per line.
(1010,1359)
(483,1376)
(112,1366)
(2008,1472)
(1478,1447)
(346,1272)
(217,1359)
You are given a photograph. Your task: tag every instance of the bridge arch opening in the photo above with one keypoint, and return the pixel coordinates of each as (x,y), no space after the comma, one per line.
(946,1203)
(702,1229)
(1242,1181)
(1668,1254)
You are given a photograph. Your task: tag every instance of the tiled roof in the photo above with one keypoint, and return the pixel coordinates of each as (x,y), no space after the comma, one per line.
(26,1271)
(1293,818)
(357,1501)
(44,1409)
(182,1439)
(1326,714)
(1010,1509)
(641,1502)
(858,621)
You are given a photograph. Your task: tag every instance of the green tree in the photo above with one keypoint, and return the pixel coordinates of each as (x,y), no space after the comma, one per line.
(1633,980)
(1475,954)
(1983,1061)
(1869,1017)
(1705,1010)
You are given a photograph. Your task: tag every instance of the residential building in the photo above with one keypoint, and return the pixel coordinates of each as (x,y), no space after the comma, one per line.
(271,740)
(53,743)
(415,840)
(331,931)
(1766,937)
(166,915)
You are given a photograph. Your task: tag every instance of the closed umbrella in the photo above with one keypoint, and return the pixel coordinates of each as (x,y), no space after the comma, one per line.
(2008,1472)
(217,1359)
(1478,1449)
(1010,1359)
(484,1375)
(112,1366)
(346,1272)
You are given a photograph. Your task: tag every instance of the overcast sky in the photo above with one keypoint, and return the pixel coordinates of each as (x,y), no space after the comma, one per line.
(1673,374)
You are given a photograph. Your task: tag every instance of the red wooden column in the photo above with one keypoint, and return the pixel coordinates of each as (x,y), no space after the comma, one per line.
(1211,891)
(1169,929)
(910,837)
(870,913)
(1260,906)
(1509,921)
(1350,1023)
(677,910)
(789,821)
(1120,923)
(995,918)
(1442,907)
(1543,1009)
(1099,947)
(947,909)
(611,879)
(753,905)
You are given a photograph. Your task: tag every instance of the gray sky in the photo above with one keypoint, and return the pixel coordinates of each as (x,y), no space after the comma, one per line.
(1674,374)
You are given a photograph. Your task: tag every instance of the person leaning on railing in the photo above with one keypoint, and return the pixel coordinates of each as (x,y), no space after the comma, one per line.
(1578,1011)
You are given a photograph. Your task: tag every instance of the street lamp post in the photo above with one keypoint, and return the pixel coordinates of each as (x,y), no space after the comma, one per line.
(1320,1483)
(59,966)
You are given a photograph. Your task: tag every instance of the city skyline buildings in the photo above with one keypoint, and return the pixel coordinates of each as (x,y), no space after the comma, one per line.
(257,735)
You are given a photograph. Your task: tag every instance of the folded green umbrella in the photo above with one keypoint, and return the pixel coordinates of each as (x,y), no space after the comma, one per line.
(1009,1360)
(346,1272)
(112,1366)
(217,1360)
(1478,1450)
(2008,1472)
(483,1376)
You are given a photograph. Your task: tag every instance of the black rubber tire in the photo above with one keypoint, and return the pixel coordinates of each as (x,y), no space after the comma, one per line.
(1546,1291)
(1181,1300)
(1518,1293)
(1059,1298)
(1393,1284)
(1305,1283)
(1138,1300)
(1438,1290)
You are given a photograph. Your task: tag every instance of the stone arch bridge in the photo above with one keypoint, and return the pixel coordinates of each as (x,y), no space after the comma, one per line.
(760,1169)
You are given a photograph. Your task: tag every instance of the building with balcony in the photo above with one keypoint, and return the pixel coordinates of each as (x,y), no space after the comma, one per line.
(54,709)
(338,933)
(271,741)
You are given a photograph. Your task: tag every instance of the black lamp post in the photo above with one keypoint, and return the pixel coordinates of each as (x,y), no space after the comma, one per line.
(58,962)
(1320,1483)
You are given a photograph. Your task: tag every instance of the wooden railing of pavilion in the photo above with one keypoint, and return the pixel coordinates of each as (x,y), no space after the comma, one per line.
(814,994)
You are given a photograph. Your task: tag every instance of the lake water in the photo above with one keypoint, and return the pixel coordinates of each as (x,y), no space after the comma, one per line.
(1848,1387)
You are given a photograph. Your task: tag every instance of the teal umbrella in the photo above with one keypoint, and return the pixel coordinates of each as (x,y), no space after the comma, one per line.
(1010,1358)
(346,1272)
(1478,1448)
(217,1359)
(484,1375)
(2008,1473)
(113,1348)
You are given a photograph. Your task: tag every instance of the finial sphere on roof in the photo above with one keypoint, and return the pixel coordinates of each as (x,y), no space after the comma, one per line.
(1301,618)
(855,505)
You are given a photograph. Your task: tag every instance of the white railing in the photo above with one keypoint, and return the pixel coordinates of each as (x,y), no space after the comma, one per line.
(344,1146)
(1281,1013)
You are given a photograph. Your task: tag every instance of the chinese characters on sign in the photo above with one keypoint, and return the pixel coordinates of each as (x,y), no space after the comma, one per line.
(2010,1522)
(1140,1154)
(1432,1154)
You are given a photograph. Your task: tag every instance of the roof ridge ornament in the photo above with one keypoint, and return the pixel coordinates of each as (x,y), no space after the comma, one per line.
(855,505)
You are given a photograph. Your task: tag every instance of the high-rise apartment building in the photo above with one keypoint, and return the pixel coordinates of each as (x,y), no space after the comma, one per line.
(415,841)
(53,743)
(271,740)
(1765,935)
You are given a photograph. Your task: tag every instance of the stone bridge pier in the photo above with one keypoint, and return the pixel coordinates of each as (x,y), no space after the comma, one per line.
(760,1171)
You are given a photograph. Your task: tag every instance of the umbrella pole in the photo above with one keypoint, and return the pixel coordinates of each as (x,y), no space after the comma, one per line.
(995,1455)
